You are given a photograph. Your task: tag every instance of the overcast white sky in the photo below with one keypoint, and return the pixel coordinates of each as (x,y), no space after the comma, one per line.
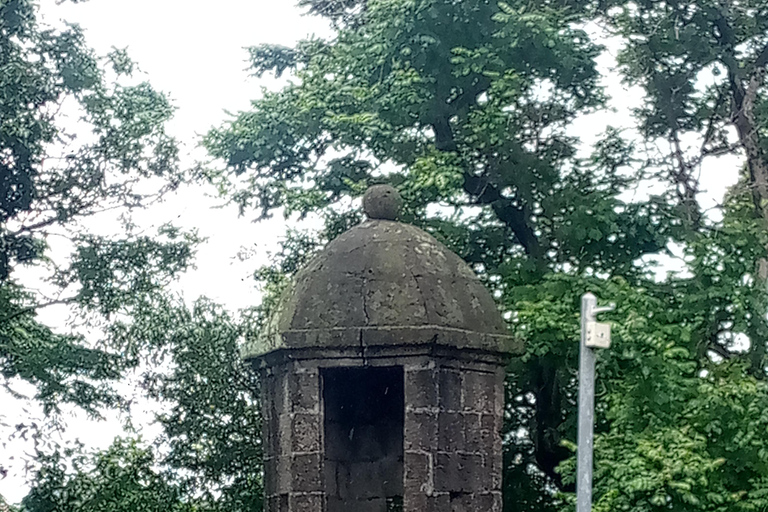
(194,50)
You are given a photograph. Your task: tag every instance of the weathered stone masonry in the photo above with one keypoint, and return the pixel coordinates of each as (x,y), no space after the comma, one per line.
(382,378)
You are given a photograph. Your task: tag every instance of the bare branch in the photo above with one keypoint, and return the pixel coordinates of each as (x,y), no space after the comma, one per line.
(720,350)
(30,309)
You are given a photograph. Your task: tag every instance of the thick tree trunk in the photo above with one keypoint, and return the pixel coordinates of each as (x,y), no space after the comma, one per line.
(744,96)
(745,82)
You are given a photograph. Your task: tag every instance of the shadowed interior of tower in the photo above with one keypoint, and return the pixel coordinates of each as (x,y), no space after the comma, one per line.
(363,438)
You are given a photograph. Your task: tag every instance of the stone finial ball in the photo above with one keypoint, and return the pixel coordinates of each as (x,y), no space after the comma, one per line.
(382,202)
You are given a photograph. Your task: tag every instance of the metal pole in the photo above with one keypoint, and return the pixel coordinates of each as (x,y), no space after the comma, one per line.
(586,409)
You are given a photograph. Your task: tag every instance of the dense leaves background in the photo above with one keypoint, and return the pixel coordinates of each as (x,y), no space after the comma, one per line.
(465,107)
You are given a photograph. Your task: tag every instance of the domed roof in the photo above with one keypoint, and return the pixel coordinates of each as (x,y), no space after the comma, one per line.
(385,283)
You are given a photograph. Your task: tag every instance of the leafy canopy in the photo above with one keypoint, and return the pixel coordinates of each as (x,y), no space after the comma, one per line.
(465,107)
(56,174)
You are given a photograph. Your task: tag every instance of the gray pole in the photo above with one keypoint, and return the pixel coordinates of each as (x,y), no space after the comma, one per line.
(586,409)
(586,403)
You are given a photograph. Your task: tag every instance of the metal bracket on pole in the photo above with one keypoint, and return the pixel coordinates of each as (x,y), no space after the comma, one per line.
(593,335)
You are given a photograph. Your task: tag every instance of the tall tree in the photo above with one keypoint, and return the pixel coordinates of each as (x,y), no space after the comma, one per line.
(464,106)
(112,154)
(702,66)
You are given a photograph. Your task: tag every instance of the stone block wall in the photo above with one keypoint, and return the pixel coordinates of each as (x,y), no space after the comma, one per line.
(292,431)
(453,452)
(451,444)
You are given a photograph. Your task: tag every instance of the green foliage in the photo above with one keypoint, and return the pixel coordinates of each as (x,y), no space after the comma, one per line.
(121,479)
(115,274)
(463,106)
(45,70)
(117,156)
(211,418)
(62,367)
(50,180)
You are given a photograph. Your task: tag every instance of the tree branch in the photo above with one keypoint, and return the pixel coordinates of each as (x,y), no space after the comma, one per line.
(484,192)
(711,121)
(687,188)
(719,350)
(742,111)
(762,57)
(29,309)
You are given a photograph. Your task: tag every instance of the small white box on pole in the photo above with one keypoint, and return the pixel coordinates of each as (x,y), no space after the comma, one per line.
(598,335)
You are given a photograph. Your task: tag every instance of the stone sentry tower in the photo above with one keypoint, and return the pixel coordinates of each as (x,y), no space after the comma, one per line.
(382,377)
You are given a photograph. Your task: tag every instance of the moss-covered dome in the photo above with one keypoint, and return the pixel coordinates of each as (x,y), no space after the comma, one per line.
(385,283)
